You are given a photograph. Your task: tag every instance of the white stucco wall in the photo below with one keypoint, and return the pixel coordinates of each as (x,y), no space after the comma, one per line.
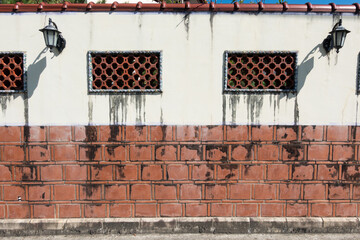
(192,46)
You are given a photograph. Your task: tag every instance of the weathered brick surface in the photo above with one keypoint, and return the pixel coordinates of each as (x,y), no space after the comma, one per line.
(179,171)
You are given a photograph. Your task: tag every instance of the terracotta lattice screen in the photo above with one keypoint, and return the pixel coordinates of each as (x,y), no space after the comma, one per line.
(253,71)
(11,72)
(124,71)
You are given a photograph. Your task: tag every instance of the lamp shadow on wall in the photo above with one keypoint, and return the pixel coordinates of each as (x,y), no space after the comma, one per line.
(34,71)
(305,67)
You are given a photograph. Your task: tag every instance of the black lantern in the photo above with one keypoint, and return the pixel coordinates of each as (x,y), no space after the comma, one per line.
(53,38)
(337,37)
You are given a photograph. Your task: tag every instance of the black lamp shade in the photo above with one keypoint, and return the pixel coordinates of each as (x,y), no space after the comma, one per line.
(51,34)
(339,35)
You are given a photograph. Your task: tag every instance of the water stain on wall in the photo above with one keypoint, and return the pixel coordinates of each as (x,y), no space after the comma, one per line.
(4,100)
(254,105)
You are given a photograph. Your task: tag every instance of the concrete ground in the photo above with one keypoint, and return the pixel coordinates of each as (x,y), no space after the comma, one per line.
(196,237)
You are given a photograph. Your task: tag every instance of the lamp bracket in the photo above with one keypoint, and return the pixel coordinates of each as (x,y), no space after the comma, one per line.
(327,43)
(61,43)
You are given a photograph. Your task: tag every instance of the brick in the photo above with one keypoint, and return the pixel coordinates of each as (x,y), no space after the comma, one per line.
(328,172)
(212,133)
(296,210)
(101,172)
(64,153)
(166,152)
(85,133)
(190,191)
(10,134)
(303,172)
(177,172)
(268,152)
(228,172)
(265,191)
(39,193)
(237,133)
(69,211)
(345,210)
(90,192)
(203,172)
(216,152)
(39,153)
(13,192)
(112,133)
(221,210)
(2,211)
(75,172)
(272,210)
(242,152)
(314,191)
(44,211)
(312,133)
(115,192)
(290,191)
(51,173)
(292,152)
(126,172)
(253,172)
(163,192)
(187,133)
(95,210)
(240,191)
(321,210)
(170,210)
(59,133)
(35,134)
(115,153)
(195,210)
(344,152)
(246,210)
(13,153)
(151,172)
(278,172)
(339,191)
(120,210)
(262,133)
(161,133)
(145,210)
(287,133)
(191,152)
(64,192)
(356,191)
(215,191)
(337,133)
(90,152)
(19,211)
(318,152)
(5,173)
(135,133)
(26,173)
(140,152)
(350,172)
(140,192)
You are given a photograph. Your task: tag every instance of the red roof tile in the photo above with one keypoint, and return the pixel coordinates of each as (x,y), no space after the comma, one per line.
(187,6)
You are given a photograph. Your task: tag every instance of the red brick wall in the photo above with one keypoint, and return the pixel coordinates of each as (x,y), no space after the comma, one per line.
(171,171)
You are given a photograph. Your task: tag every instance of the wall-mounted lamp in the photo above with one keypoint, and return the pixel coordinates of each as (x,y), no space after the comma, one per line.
(336,38)
(53,37)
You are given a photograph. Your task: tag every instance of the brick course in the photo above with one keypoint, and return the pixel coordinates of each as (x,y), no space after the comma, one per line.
(178,171)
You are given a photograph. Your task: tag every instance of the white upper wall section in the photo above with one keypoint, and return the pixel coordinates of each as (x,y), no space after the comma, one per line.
(193,48)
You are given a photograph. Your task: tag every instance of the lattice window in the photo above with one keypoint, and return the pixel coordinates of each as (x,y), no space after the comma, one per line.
(260,71)
(12,77)
(124,71)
